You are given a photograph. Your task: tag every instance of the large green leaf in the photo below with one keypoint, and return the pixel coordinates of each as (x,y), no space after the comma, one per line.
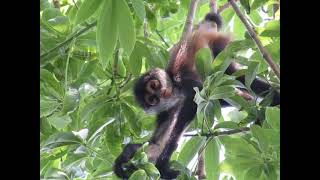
(107,31)
(87,8)
(127,35)
(211,159)
(61,139)
(190,149)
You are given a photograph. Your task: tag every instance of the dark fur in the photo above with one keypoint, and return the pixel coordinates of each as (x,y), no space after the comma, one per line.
(178,116)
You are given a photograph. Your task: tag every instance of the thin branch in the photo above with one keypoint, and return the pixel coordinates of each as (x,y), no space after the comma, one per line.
(254,36)
(221,133)
(89,26)
(223,7)
(213,6)
(200,169)
(158,33)
(189,21)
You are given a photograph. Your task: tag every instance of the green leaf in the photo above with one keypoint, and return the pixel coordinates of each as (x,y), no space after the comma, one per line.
(71,101)
(47,106)
(235,146)
(135,61)
(151,170)
(272,29)
(266,137)
(223,60)
(211,159)
(86,70)
(53,18)
(49,78)
(107,31)
(203,61)
(55,173)
(190,149)
(246,5)
(138,175)
(222,92)
(238,166)
(139,9)
(273,117)
(251,73)
(121,68)
(217,110)
(257,3)
(255,172)
(127,35)
(255,17)
(227,125)
(61,139)
(151,17)
(59,121)
(87,8)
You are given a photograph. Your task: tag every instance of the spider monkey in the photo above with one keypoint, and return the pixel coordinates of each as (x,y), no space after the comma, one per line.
(169,94)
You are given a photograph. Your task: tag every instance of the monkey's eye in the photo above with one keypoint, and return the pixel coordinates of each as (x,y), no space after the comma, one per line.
(152,100)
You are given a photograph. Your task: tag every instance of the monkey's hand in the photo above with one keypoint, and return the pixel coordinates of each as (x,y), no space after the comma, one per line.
(120,168)
(167,173)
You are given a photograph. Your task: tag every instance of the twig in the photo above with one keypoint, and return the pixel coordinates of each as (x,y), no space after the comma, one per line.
(89,26)
(222,133)
(189,21)
(213,6)
(254,36)
(200,169)
(223,7)
(158,33)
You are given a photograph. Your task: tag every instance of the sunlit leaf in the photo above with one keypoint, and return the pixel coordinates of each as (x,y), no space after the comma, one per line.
(87,8)
(127,35)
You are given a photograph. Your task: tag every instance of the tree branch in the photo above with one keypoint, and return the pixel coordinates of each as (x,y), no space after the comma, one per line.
(254,36)
(89,26)
(189,21)
(223,7)
(213,6)
(221,133)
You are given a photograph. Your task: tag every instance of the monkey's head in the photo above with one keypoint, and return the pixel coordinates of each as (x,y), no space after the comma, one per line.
(154,91)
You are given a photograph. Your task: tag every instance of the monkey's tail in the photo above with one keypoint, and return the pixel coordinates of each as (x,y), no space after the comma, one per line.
(214,17)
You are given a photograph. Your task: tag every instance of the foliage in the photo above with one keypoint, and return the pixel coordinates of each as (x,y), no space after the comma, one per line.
(93,50)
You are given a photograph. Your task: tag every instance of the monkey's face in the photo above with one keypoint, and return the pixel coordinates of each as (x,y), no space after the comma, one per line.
(154,91)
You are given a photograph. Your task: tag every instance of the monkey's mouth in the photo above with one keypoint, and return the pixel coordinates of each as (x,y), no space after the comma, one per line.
(165,93)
